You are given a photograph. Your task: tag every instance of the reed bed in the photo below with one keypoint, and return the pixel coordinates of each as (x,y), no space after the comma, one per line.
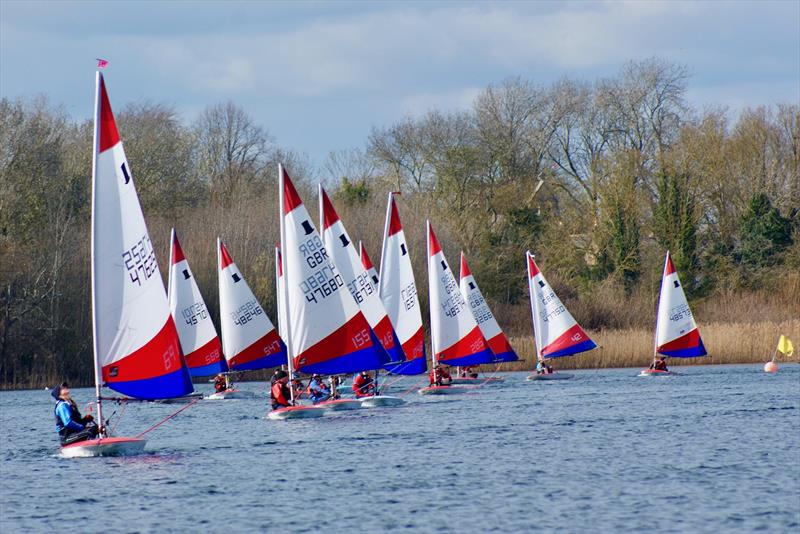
(726,343)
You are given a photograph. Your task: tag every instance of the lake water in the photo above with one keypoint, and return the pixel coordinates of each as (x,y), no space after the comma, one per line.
(716,449)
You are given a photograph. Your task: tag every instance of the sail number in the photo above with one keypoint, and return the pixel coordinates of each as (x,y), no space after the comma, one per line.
(409,296)
(314,252)
(361,287)
(454,304)
(246,313)
(480,310)
(678,313)
(140,261)
(195,313)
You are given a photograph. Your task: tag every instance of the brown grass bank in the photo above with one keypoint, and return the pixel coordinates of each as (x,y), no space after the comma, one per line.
(725,342)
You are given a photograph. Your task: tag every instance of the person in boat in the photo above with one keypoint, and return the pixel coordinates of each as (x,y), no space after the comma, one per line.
(70,424)
(297,386)
(543,369)
(333,380)
(469,372)
(363,385)
(439,376)
(280,395)
(220,383)
(317,390)
(659,364)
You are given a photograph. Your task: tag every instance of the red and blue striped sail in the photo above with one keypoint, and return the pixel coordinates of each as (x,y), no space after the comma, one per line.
(201,347)
(555,331)
(497,340)
(677,334)
(365,292)
(456,338)
(136,346)
(328,333)
(398,292)
(249,339)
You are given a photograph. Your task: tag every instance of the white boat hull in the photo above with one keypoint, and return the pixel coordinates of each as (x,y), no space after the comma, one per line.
(655,372)
(443,390)
(551,376)
(339,405)
(381,401)
(295,412)
(231,394)
(104,447)
(477,381)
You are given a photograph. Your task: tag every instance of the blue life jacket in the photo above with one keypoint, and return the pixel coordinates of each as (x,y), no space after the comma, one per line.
(317,391)
(67,416)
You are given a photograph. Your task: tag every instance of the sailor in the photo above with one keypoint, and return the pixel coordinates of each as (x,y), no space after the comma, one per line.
(363,386)
(219,383)
(334,382)
(543,369)
(70,425)
(439,376)
(659,364)
(470,372)
(279,394)
(317,390)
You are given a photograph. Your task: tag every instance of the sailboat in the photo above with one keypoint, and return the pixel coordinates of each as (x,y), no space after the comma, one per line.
(201,347)
(555,331)
(364,291)
(677,334)
(456,338)
(326,332)
(398,291)
(249,340)
(136,347)
(495,338)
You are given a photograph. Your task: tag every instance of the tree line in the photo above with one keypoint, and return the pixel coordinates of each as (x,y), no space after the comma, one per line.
(597,178)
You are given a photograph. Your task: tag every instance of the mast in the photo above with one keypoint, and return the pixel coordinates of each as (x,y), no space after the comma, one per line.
(430,297)
(536,311)
(660,290)
(95,145)
(285,296)
(385,235)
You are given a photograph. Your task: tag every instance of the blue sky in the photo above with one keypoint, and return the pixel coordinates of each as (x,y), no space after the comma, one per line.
(319,75)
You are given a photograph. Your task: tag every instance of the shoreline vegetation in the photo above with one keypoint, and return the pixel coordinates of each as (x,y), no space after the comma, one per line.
(597,178)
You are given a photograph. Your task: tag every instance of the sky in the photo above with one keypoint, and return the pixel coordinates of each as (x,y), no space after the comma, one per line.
(319,75)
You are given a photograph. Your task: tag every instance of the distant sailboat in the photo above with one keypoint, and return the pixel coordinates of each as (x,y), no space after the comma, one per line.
(677,334)
(398,292)
(556,333)
(364,291)
(202,349)
(249,339)
(136,347)
(456,338)
(495,338)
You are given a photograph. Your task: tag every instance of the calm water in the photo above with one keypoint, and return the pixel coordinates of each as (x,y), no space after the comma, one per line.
(714,450)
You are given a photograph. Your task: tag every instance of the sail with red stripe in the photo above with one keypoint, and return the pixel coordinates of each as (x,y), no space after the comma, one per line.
(249,340)
(366,262)
(677,334)
(456,338)
(136,345)
(555,331)
(497,340)
(202,350)
(327,332)
(365,292)
(398,292)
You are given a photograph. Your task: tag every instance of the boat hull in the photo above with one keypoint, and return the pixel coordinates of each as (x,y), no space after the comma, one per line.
(186,399)
(104,447)
(442,390)
(295,412)
(231,394)
(339,405)
(655,372)
(551,376)
(381,401)
(489,380)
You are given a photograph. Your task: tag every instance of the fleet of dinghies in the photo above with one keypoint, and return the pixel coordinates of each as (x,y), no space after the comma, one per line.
(336,313)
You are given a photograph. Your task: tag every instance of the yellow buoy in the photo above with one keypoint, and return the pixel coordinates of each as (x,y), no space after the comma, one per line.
(770,367)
